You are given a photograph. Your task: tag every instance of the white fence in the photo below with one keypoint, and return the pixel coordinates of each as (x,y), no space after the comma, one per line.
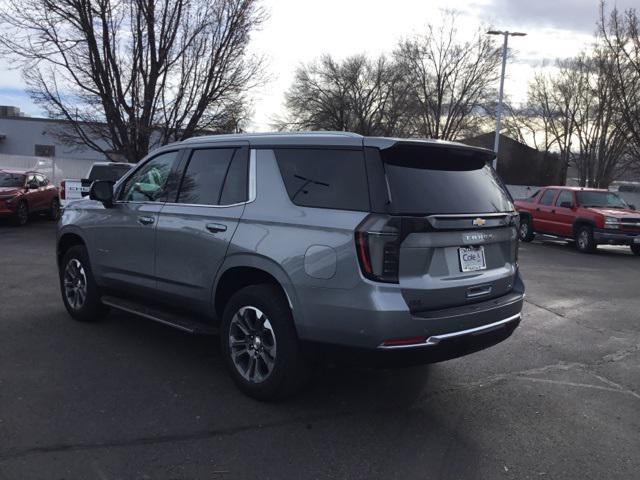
(56,169)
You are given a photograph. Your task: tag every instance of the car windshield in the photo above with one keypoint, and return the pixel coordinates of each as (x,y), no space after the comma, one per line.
(600,199)
(8,179)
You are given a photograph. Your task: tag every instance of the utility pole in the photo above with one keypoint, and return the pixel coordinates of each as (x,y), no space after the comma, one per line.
(506,34)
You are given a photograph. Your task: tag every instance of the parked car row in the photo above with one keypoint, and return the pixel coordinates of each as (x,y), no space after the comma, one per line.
(586,216)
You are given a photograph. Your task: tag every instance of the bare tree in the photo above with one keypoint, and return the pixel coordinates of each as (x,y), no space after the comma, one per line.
(574,111)
(600,126)
(453,81)
(358,94)
(130,74)
(620,32)
(547,120)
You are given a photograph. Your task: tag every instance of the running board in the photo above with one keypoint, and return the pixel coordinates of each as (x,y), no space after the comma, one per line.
(188,324)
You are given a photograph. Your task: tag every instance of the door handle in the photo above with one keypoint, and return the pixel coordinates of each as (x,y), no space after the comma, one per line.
(538,209)
(146,220)
(553,211)
(216,227)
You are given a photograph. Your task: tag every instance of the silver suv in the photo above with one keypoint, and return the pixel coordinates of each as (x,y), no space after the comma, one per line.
(295,246)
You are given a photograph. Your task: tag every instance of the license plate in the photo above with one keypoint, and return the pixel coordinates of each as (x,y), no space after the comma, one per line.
(472,259)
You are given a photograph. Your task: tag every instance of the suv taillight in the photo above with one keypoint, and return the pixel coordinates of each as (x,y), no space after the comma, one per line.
(62,190)
(378,247)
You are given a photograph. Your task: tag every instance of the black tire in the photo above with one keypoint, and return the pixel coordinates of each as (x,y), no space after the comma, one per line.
(525,232)
(54,209)
(290,369)
(585,242)
(90,308)
(21,217)
(635,249)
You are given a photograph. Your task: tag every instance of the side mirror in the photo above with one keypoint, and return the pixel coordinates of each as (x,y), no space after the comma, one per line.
(566,205)
(632,207)
(102,191)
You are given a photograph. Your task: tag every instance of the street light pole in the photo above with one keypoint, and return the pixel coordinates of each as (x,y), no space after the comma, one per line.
(506,34)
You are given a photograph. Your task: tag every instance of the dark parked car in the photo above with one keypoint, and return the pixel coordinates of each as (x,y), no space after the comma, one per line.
(24,192)
(394,251)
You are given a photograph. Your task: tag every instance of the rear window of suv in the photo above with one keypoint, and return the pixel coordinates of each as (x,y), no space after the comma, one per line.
(434,180)
(325,178)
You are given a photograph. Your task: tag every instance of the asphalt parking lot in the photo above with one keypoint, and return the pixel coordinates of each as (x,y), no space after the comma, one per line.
(130,399)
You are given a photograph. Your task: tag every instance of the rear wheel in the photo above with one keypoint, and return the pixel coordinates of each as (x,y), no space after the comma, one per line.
(584,239)
(80,293)
(22,214)
(525,232)
(635,249)
(260,345)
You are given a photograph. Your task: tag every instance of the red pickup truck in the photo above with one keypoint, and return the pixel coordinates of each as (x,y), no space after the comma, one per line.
(587,216)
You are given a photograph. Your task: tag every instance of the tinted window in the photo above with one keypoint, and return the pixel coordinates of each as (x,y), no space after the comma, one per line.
(236,184)
(12,179)
(565,196)
(148,183)
(427,180)
(204,176)
(45,150)
(325,178)
(547,198)
(108,172)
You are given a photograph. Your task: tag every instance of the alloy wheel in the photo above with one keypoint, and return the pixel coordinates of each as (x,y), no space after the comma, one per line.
(75,284)
(583,239)
(252,344)
(524,230)
(23,213)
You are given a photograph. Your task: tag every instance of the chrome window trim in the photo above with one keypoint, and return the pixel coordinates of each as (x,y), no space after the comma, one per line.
(252,175)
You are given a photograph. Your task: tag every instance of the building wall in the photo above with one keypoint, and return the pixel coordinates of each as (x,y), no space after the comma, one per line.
(22,134)
(519,164)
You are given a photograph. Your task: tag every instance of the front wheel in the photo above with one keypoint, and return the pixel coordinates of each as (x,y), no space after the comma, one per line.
(585,242)
(260,345)
(525,232)
(80,293)
(22,214)
(635,249)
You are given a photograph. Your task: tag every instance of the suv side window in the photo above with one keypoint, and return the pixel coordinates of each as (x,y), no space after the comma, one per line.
(325,178)
(204,176)
(148,183)
(547,197)
(565,196)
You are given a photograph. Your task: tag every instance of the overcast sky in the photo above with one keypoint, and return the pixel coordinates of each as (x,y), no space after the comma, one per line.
(301,30)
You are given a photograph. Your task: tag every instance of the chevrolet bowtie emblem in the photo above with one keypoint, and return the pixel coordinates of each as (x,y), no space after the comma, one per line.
(479,222)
